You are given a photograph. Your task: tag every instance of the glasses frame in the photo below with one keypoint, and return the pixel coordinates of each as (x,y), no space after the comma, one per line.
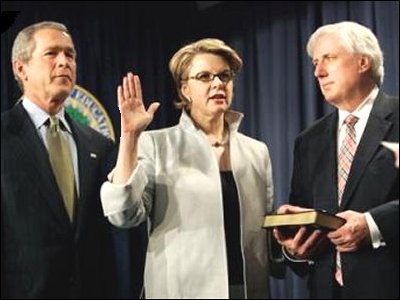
(213,75)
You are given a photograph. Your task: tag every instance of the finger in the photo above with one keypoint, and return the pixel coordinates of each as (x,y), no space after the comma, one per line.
(276,234)
(336,242)
(138,88)
(120,96)
(346,248)
(282,209)
(131,85)
(300,235)
(125,89)
(153,108)
(335,234)
(313,239)
(297,209)
(287,208)
(309,244)
(335,238)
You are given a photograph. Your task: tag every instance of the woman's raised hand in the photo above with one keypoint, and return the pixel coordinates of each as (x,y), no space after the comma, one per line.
(134,116)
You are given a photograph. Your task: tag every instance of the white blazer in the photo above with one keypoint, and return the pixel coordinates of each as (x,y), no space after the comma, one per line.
(176,187)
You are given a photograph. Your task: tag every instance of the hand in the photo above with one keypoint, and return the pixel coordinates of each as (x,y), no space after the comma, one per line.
(134,117)
(302,244)
(287,208)
(394,147)
(353,234)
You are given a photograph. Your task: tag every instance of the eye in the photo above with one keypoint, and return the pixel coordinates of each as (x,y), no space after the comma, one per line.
(70,55)
(205,76)
(330,57)
(315,62)
(226,76)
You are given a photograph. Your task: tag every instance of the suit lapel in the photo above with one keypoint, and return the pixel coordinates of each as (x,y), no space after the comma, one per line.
(375,131)
(83,145)
(33,148)
(325,190)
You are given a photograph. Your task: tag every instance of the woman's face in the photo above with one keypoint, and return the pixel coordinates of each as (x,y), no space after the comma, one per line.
(209,86)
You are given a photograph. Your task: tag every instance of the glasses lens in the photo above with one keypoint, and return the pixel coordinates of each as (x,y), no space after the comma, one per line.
(225,76)
(205,76)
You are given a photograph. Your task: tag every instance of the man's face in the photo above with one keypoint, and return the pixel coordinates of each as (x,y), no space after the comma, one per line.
(50,74)
(339,72)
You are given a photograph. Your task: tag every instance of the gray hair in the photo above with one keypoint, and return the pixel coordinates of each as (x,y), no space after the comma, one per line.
(180,63)
(356,38)
(24,44)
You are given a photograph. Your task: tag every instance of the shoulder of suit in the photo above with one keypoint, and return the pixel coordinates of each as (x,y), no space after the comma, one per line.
(89,132)
(249,140)
(319,126)
(12,119)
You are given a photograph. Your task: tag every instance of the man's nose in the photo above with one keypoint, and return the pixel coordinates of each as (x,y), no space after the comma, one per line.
(62,58)
(319,70)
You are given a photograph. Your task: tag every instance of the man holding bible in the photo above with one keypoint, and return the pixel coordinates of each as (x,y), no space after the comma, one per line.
(340,166)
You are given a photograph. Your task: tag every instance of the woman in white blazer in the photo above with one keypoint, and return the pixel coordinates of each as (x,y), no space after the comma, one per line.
(203,186)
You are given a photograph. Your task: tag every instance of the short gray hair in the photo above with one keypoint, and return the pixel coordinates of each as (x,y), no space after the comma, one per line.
(24,44)
(356,38)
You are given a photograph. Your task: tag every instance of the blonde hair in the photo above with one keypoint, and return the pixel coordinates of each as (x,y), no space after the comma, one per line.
(181,61)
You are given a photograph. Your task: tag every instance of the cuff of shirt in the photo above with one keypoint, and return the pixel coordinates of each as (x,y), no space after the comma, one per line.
(110,178)
(376,236)
(295,260)
(117,198)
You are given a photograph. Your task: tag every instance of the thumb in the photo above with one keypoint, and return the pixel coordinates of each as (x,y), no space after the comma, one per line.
(153,108)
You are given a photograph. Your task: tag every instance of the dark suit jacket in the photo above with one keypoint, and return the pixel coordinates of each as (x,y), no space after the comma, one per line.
(42,254)
(373,185)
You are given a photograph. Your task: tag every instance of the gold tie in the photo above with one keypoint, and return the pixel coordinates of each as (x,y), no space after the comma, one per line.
(61,162)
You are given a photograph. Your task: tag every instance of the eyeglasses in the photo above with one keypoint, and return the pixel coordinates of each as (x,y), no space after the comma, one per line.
(205,76)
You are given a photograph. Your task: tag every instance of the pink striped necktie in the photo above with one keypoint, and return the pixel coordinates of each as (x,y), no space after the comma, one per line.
(345,159)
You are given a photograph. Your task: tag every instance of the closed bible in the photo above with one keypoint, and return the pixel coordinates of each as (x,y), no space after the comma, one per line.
(314,218)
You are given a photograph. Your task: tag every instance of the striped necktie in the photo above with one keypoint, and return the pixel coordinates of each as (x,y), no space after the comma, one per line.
(345,159)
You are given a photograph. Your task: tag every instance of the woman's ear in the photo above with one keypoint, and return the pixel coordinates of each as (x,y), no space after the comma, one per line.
(185,90)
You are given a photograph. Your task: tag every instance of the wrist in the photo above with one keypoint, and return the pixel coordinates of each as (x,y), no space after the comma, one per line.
(129,136)
(292,258)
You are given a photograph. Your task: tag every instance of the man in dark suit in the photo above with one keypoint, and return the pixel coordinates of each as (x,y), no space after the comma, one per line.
(47,250)
(340,166)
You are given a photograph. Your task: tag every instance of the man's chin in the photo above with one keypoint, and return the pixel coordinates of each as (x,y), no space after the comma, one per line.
(63,93)
(329,98)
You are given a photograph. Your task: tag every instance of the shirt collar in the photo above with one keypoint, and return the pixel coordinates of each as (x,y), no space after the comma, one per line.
(39,116)
(363,110)
(233,118)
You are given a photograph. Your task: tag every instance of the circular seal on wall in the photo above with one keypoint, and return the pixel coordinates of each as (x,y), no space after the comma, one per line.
(84,108)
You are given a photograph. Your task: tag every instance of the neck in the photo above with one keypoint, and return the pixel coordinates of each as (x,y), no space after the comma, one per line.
(215,129)
(354,100)
(213,126)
